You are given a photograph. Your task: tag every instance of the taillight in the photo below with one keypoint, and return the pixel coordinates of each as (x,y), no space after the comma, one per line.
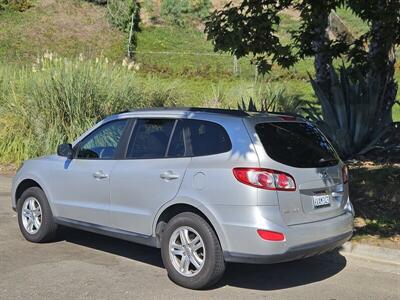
(345,174)
(265,179)
(271,235)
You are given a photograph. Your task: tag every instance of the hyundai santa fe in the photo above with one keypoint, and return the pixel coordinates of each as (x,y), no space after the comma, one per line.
(207,186)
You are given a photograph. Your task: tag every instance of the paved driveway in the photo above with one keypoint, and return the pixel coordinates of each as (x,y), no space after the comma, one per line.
(83,265)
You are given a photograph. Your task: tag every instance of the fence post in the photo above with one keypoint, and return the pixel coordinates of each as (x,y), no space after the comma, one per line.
(256,73)
(235,65)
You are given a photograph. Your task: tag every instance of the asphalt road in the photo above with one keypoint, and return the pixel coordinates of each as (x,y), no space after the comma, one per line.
(82,265)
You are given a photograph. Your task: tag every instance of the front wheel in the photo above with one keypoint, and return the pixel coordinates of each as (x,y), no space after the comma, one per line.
(191,252)
(35,218)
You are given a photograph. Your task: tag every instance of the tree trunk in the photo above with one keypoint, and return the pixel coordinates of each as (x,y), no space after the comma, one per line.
(382,60)
(132,38)
(323,59)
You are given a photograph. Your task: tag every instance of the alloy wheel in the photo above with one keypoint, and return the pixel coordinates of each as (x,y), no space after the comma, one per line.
(31,215)
(187,251)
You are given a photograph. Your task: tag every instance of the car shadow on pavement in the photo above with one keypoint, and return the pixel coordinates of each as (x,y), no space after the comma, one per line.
(284,275)
(111,245)
(248,276)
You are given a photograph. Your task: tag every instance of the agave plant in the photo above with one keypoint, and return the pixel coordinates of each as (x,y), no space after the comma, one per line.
(264,106)
(272,100)
(355,117)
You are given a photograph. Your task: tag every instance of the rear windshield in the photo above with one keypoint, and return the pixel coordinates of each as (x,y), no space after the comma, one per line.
(299,145)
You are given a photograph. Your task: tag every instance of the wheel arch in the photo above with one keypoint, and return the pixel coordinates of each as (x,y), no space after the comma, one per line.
(169,211)
(23,186)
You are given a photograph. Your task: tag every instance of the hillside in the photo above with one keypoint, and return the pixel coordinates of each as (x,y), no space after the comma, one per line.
(171,53)
(65,27)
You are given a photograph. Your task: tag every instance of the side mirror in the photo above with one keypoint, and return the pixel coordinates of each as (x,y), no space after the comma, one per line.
(65,150)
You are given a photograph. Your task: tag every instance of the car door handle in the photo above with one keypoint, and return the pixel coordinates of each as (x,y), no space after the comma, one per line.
(100,175)
(169,175)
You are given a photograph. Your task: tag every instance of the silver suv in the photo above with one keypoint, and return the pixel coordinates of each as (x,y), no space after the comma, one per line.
(207,186)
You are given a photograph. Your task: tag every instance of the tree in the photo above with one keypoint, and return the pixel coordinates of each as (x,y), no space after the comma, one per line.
(250,28)
(312,40)
(383,16)
(125,15)
(133,30)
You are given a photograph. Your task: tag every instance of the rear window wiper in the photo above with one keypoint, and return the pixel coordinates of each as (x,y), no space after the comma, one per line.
(323,160)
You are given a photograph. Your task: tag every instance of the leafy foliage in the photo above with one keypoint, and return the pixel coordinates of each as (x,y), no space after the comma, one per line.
(355,118)
(251,27)
(384,19)
(119,13)
(314,21)
(178,11)
(133,30)
(18,5)
(125,15)
(382,37)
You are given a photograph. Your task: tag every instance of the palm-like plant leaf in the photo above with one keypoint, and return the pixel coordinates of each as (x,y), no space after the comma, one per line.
(354,116)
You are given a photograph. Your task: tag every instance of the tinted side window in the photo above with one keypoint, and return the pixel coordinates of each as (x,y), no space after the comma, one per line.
(177,146)
(296,144)
(150,138)
(103,142)
(206,138)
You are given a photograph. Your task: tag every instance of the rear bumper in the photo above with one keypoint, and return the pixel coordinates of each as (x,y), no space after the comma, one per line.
(293,253)
(243,244)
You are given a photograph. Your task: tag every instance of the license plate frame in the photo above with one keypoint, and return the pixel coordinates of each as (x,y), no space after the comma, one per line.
(321,201)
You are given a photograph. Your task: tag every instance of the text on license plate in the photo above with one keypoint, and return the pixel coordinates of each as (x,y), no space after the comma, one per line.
(320,201)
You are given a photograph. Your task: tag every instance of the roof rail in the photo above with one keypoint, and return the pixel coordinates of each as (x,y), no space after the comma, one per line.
(286,114)
(231,112)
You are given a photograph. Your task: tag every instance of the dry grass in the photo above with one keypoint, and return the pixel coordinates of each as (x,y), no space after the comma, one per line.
(66,27)
(375,193)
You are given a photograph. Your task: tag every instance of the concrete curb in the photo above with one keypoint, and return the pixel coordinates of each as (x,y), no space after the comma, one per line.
(381,254)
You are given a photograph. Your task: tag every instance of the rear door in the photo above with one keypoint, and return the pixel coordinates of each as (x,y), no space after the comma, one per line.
(149,176)
(299,148)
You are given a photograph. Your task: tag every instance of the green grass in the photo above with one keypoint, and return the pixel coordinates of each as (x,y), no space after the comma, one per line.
(354,23)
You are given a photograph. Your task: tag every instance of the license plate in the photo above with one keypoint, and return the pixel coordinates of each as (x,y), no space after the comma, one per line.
(321,201)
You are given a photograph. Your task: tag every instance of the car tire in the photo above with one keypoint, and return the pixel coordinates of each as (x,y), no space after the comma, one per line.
(35,218)
(210,255)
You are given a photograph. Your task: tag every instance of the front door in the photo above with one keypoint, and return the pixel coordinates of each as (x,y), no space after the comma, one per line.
(80,186)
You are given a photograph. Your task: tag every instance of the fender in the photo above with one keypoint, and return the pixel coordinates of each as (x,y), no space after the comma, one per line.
(35,177)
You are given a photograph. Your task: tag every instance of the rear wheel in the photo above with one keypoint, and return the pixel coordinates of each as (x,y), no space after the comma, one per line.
(191,252)
(35,218)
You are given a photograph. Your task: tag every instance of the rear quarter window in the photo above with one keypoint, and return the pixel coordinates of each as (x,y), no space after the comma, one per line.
(296,144)
(200,138)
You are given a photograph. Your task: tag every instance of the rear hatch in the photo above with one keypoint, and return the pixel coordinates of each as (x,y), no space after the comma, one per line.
(299,149)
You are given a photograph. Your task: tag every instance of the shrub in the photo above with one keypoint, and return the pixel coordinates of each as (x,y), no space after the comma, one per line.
(119,13)
(177,11)
(58,99)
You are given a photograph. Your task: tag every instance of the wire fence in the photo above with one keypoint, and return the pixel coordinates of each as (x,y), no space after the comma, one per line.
(196,63)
